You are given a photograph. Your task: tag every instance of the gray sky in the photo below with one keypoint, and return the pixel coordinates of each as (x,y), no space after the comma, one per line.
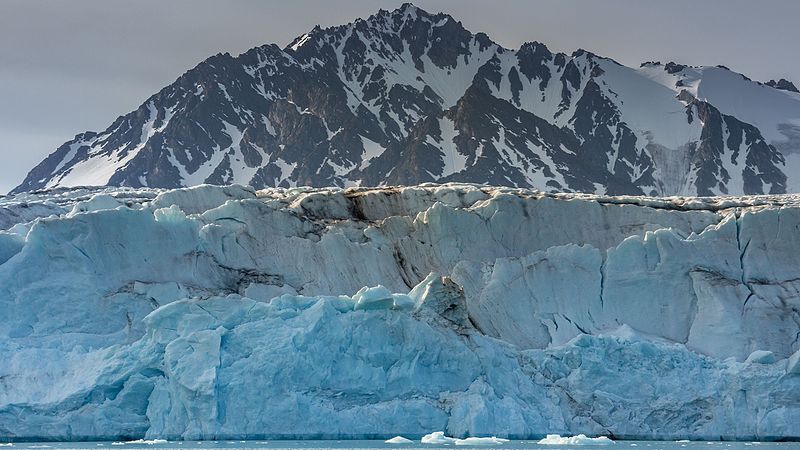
(72,66)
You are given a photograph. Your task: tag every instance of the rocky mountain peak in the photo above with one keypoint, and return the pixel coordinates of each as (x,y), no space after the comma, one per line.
(406,96)
(782,84)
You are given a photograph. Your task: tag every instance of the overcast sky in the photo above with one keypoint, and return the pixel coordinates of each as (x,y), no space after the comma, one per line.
(72,66)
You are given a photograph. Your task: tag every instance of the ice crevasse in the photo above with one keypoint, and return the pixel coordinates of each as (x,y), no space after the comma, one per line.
(224,312)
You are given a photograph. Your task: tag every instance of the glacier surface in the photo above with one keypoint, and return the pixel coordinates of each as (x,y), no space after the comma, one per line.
(224,312)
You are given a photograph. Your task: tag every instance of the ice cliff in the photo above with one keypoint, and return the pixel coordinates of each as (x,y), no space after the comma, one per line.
(214,312)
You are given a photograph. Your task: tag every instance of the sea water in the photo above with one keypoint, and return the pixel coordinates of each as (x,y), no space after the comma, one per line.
(380,445)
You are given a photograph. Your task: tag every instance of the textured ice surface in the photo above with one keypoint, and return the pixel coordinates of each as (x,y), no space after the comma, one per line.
(221,312)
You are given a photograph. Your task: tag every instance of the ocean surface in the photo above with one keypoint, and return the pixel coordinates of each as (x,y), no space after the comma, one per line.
(380,445)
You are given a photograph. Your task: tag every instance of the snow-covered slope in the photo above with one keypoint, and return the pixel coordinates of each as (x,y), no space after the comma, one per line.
(405,97)
(214,312)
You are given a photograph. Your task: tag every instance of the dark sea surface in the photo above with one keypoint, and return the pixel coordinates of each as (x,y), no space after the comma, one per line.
(380,445)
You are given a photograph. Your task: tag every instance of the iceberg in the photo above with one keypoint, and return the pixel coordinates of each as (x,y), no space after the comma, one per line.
(399,440)
(437,438)
(229,313)
(581,439)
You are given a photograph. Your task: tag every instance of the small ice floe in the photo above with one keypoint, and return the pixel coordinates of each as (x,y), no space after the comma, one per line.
(117,443)
(437,438)
(481,441)
(398,440)
(144,441)
(581,439)
(683,441)
(6,445)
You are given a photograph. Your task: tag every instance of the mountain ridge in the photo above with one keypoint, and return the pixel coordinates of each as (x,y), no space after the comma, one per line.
(404,97)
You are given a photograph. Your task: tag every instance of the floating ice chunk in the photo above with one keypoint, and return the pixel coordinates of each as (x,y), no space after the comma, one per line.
(399,440)
(761,357)
(581,439)
(377,297)
(437,438)
(117,443)
(481,441)
(147,441)
(7,445)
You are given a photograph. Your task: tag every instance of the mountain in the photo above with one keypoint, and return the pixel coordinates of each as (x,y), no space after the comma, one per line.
(405,97)
(222,312)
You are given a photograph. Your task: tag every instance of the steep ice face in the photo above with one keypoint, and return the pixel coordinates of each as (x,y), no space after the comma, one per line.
(215,312)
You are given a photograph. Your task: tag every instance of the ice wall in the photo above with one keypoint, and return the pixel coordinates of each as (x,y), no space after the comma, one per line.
(213,312)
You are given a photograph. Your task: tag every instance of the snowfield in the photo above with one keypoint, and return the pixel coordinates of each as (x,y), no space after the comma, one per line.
(227,313)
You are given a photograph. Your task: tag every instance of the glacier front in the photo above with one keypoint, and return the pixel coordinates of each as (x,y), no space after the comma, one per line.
(224,312)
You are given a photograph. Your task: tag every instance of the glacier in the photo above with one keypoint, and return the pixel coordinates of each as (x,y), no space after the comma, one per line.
(227,312)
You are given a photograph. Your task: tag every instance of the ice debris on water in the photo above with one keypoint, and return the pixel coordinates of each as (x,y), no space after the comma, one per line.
(481,441)
(581,439)
(437,438)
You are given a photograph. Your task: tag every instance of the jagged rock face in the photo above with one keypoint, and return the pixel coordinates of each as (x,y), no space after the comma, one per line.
(405,97)
(786,85)
(219,312)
